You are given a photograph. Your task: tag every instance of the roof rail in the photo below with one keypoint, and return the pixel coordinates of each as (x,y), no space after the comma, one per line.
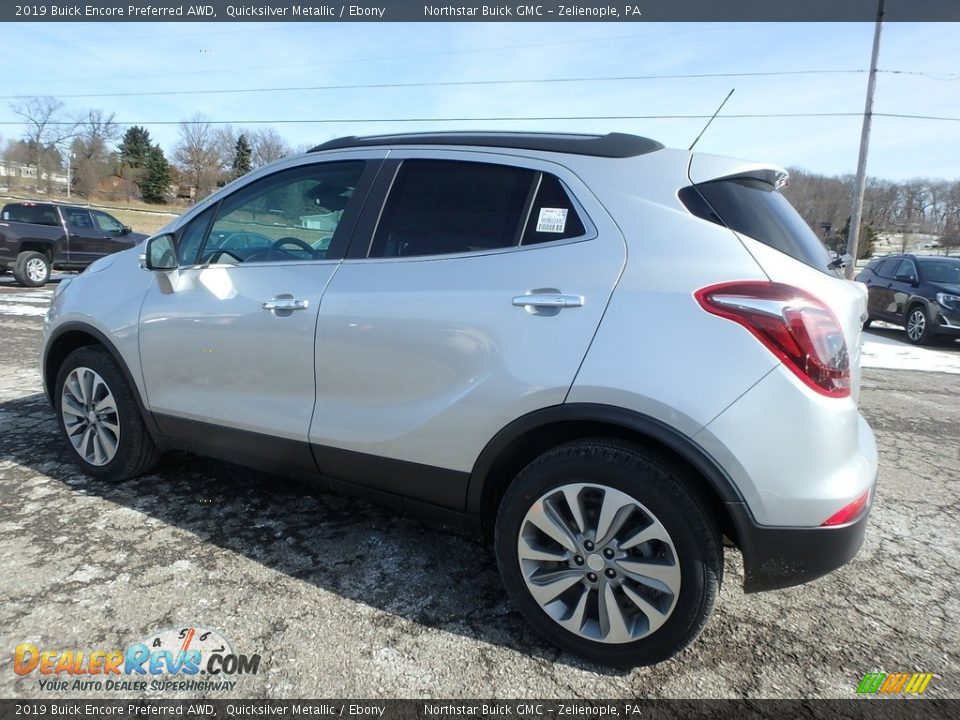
(611,145)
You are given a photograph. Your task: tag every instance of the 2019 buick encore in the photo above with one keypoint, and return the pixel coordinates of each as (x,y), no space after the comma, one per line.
(608,355)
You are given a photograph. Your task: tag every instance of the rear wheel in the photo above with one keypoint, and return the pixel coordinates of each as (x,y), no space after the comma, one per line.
(32,269)
(919,327)
(100,419)
(606,553)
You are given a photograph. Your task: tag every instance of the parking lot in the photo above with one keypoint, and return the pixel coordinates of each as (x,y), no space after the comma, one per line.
(341,598)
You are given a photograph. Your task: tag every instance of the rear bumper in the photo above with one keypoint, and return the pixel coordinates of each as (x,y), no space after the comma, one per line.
(780,557)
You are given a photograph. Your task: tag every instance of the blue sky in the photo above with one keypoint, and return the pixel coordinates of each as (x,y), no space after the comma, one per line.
(96,58)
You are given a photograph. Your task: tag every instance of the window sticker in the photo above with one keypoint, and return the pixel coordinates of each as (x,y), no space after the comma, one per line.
(552,220)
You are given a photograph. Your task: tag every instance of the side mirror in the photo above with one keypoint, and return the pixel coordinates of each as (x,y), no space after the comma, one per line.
(161,254)
(909,279)
(126,230)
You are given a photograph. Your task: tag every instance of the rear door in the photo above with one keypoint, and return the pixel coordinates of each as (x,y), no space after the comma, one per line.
(881,291)
(902,287)
(466,302)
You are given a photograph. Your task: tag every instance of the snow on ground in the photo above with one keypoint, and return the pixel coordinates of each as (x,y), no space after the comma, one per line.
(887,351)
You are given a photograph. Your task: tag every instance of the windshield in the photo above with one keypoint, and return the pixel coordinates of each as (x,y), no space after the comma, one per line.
(941,271)
(754,208)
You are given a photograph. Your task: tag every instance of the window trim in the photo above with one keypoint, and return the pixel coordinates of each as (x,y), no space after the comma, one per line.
(380,194)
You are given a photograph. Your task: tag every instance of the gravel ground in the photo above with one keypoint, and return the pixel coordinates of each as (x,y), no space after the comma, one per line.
(341,598)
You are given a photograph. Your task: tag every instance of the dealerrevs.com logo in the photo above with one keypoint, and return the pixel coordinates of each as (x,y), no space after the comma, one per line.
(179,659)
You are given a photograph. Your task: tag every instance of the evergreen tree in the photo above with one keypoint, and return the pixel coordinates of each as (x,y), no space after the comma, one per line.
(868,237)
(135,148)
(157,176)
(241,157)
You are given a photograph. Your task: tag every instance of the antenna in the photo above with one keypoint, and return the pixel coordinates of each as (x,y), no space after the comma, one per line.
(711,119)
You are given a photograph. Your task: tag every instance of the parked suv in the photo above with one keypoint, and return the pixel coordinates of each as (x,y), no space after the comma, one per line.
(921,293)
(608,356)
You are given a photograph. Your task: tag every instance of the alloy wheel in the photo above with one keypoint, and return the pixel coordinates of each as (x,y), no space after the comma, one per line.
(599,563)
(36,269)
(90,416)
(916,324)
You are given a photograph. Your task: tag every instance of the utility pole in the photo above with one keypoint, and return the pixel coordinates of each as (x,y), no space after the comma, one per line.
(856,209)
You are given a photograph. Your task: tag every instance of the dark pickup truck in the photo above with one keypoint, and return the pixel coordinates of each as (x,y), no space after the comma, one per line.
(38,237)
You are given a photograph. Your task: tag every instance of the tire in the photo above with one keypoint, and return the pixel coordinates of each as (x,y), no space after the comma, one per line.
(88,378)
(918,326)
(661,616)
(32,269)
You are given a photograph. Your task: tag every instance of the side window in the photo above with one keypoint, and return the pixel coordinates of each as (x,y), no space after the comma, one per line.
(291,215)
(192,237)
(107,223)
(552,215)
(906,268)
(886,268)
(78,219)
(438,207)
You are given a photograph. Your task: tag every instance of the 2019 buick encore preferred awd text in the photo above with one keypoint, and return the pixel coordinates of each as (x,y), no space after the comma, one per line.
(609,356)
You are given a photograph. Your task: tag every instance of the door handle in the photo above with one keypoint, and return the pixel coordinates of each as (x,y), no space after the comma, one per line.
(548,300)
(286,304)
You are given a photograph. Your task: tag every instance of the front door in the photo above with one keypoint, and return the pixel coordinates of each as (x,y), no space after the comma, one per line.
(228,339)
(472,303)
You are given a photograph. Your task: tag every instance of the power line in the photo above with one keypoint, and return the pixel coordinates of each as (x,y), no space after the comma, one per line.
(451,83)
(507,81)
(301,121)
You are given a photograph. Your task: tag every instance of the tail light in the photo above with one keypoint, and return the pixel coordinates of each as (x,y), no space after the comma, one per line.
(849,512)
(795,326)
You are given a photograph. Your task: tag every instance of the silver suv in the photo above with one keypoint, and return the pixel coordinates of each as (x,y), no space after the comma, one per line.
(610,357)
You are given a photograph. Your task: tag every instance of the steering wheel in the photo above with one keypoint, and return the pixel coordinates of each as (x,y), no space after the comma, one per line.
(277,247)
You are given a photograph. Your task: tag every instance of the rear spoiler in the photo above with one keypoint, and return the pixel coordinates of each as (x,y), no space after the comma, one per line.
(707,168)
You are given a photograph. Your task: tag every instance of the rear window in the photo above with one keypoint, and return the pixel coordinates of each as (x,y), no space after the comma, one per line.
(36,214)
(753,207)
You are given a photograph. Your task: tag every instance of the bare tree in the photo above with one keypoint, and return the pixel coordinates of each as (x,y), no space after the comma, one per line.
(92,161)
(197,155)
(267,146)
(48,128)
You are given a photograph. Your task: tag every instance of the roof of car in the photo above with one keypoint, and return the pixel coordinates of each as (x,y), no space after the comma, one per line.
(611,145)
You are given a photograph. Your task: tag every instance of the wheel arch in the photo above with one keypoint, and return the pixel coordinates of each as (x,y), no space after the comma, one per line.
(75,335)
(526,438)
(44,248)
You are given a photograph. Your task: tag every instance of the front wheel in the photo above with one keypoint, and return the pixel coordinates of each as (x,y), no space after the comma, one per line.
(100,419)
(607,554)
(919,328)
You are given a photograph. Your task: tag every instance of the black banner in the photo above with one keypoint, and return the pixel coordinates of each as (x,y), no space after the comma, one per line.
(469,10)
(854,709)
